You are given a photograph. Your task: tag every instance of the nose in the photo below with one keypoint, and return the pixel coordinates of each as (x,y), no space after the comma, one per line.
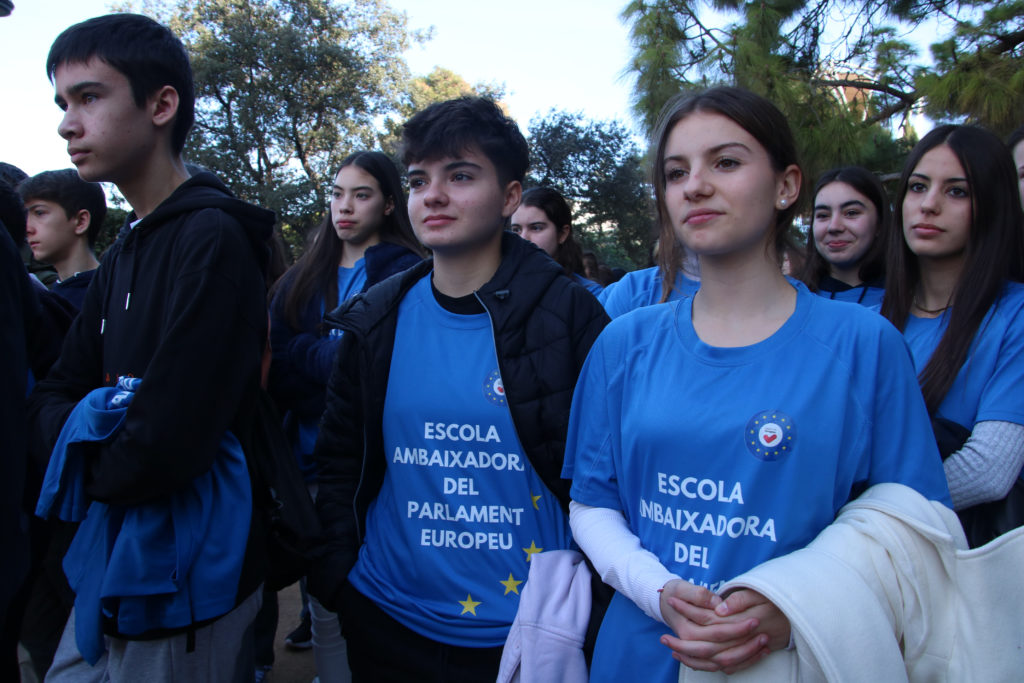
(696,185)
(434,195)
(835,223)
(930,202)
(68,125)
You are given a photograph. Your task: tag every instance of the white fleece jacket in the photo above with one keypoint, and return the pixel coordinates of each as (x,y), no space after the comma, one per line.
(889,592)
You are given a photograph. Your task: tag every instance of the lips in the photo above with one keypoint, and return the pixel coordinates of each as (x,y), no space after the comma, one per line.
(837,245)
(345,224)
(700,216)
(926,229)
(437,220)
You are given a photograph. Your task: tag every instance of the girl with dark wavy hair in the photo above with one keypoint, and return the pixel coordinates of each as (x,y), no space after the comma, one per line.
(845,257)
(954,288)
(545,219)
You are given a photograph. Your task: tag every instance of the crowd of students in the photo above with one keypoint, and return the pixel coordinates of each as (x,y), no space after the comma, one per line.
(495,442)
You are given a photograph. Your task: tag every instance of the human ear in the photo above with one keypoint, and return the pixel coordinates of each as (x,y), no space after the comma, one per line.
(389,206)
(163,106)
(788,187)
(563,233)
(82,219)
(513,195)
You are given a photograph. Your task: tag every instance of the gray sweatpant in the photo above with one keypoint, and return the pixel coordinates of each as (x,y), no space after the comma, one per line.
(223,652)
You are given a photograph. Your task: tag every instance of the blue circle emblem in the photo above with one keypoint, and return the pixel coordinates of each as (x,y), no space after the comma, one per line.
(770,435)
(494,390)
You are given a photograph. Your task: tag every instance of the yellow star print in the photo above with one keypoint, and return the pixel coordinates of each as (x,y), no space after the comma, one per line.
(531,550)
(510,584)
(469,605)
(535,499)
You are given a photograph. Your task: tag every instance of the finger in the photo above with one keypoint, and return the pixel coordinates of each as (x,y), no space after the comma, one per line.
(747,653)
(743,622)
(693,594)
(739,601)
(703,649)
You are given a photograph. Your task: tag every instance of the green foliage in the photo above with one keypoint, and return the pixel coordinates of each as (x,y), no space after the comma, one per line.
(112,224)
(439,85)
(599,168)
(845,73)
(285,90)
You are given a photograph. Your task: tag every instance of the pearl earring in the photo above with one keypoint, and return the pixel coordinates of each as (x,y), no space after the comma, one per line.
(782,203)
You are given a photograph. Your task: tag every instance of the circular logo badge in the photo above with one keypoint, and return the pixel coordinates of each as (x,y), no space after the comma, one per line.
(770,435)
(494,390)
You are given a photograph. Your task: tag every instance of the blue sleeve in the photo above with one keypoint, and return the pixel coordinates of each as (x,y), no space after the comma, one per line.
(592,450)
(617,298)
(903,448)
(1002,396)
(301,360)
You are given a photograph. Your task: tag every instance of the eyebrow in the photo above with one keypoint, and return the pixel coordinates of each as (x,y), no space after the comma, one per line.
(714,150)
(850,202)
(947,180)
(359,187)
(458,163)
(77,88)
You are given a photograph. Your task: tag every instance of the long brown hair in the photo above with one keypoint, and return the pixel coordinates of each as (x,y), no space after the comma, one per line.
(316,271)
(994,253)
(752,113)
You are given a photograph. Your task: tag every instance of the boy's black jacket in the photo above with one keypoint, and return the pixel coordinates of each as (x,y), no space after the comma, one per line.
(178,300)
(543,325)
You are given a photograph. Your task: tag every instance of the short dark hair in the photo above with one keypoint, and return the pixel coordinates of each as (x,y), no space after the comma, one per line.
(73,194)
(12,212)
(872,264)
(448,129)
(148,54)
(751,112)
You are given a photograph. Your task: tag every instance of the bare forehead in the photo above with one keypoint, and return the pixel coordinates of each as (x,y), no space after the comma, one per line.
(702,133)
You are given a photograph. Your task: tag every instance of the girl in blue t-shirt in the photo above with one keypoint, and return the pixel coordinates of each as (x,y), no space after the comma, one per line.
(544,218)
(955,266)
(846,242)
(714,433)
(364,238)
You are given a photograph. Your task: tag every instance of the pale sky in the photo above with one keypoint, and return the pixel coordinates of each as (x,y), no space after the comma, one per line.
(566,54)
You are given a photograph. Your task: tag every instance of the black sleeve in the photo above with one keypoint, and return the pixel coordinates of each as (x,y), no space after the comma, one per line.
(339,455)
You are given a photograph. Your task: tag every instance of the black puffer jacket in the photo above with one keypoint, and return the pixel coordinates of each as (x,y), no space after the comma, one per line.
(543,324)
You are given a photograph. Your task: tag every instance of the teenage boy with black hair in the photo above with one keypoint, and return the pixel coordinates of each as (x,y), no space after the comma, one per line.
(64,215)
(441,446)
(177,302)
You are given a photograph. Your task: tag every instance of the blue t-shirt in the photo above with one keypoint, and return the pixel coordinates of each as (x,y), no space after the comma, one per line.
(591,286)
(863,294)
(461,510)
(723,458)
(642,288)
(990,384)
(350,282)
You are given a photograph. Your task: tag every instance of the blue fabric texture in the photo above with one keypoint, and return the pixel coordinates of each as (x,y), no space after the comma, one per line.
(160,565)
(989,384)
(642,288)
(591,286)
(450,536)
(723,458)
